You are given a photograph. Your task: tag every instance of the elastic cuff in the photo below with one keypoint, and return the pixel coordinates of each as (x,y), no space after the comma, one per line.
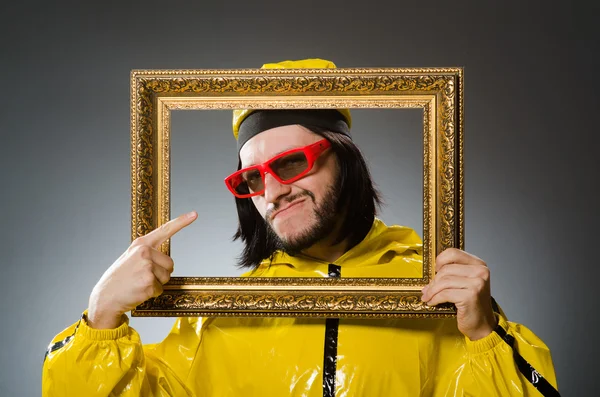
(489,342)
(103,334)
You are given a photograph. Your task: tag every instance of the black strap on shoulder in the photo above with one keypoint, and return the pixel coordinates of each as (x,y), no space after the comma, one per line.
(331,342)
(530,373)
(495,306)
(55,346)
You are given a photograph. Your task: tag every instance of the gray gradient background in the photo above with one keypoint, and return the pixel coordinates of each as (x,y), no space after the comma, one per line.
(531,111)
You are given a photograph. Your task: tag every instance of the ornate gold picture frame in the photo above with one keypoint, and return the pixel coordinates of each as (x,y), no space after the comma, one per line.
(437,91)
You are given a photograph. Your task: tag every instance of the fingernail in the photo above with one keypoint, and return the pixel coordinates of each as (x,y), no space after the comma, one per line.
(191,214)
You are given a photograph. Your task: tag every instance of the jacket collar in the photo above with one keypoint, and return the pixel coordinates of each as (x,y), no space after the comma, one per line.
(381,241)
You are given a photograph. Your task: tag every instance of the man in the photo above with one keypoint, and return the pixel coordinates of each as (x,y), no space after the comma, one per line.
(306,205)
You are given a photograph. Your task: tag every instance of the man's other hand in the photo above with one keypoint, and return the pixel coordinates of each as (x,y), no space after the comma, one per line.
(463,279)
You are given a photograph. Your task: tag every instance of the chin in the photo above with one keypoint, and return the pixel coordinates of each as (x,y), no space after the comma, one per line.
(291,228)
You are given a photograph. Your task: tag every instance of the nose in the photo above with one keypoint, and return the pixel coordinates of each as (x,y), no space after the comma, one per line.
(274,189)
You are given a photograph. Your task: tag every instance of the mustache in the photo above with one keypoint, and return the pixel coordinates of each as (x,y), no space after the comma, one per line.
(287,200)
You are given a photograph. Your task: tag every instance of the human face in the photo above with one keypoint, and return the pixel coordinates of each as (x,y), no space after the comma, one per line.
(302,212)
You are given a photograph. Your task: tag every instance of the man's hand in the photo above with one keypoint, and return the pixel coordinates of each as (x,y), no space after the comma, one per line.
(135,277)
(463,279)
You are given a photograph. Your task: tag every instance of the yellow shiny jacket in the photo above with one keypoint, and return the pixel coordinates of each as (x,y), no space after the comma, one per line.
(285,356)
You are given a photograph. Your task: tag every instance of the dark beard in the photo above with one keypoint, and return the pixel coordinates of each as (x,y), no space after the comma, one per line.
(326,216)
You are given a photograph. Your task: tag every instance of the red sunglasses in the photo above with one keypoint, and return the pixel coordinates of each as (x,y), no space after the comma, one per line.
(286,167)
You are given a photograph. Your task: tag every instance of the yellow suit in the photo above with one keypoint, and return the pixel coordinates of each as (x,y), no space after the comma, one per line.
(285,356)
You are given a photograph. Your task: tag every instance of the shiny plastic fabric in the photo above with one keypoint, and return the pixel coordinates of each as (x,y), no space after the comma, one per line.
(285,356)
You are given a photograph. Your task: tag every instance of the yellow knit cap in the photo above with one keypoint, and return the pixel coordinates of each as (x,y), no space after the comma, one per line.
(314,63)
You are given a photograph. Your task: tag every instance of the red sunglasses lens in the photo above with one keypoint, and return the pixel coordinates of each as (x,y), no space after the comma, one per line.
(290,166)
(285,168)
(247,182)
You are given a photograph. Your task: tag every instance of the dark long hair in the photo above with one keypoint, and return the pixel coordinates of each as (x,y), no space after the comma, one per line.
(358,198)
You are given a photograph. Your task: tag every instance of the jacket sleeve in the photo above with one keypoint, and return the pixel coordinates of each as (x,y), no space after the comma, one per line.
(82,361)
(492,367)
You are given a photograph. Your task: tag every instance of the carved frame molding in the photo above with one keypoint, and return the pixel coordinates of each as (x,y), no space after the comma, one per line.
(438,91)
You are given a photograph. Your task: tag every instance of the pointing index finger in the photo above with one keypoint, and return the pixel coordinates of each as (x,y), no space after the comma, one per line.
(159,235)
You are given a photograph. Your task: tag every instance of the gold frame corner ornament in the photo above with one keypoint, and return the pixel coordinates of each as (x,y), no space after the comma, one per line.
(437,91)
